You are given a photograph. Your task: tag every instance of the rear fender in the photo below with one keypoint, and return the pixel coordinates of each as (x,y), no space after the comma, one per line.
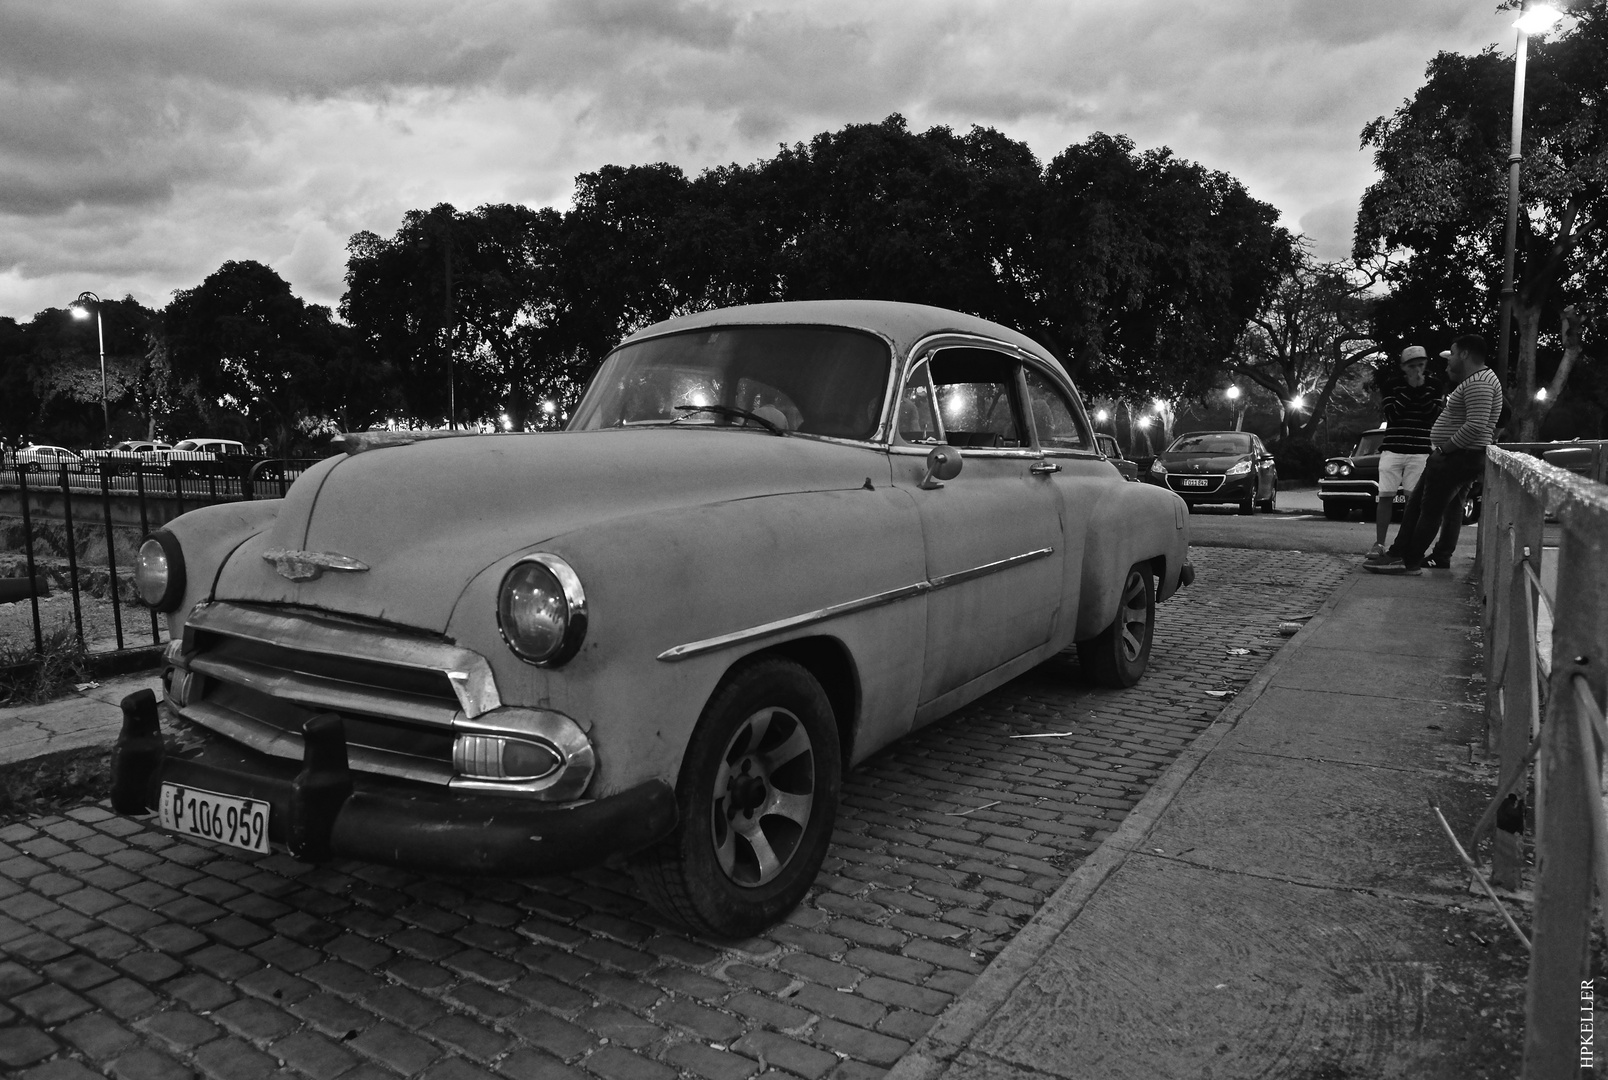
(1132,523)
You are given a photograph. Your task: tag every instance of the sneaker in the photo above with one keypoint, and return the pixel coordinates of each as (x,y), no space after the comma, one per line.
(1375,553)
(1439,562)
(1384,558)
(1395,568)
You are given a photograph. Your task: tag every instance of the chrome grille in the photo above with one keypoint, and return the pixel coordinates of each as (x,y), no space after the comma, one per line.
(267,670)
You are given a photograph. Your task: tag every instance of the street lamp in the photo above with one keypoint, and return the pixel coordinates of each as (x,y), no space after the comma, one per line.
(1233,396)
(1531,20)
(80,310)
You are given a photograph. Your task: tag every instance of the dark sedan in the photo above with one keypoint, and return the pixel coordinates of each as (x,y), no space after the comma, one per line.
(1219,467)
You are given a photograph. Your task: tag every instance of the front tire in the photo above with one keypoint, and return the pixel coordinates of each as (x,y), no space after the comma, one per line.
(1119,655)
(1271,503)
(1336,511)
(757,796)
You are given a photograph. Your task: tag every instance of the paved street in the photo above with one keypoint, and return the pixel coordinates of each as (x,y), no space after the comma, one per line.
(134,954)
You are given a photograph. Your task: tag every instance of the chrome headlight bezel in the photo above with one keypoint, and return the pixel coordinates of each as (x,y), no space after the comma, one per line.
(1331,468)
(563,588)
(159,576)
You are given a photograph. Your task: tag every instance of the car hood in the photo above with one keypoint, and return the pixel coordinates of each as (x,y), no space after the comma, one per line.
(1201,463)
(425,518)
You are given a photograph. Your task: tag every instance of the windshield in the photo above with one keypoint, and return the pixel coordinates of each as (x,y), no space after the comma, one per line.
(1369,443)
(815,380)
(1216,443)
(188,444)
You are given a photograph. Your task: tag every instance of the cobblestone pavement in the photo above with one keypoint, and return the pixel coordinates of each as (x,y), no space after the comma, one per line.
(130,953)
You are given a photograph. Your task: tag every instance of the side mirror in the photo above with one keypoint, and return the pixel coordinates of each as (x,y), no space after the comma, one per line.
(943,463)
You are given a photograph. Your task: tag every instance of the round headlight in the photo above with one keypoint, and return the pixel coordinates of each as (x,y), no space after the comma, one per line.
(541,610)
(1331,468)
(159,571)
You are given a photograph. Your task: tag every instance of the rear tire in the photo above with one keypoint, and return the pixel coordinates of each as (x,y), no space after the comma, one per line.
(1119,655)
(757,796)
(1471,508)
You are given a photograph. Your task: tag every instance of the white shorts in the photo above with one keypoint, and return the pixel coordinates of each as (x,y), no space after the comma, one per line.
(1399,471)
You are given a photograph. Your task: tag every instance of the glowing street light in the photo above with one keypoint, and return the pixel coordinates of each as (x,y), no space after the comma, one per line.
(1232,393)
(1298,401)
(1143,421)
(549,407)
(1541,394)
(1531,20)
(81,309)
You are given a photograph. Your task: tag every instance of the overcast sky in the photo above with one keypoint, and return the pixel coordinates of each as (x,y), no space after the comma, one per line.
(143,144)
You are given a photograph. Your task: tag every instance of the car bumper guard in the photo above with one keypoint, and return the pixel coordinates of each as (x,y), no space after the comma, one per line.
(322,809)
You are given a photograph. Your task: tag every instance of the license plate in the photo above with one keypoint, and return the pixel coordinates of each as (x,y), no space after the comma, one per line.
(228,819)
(1192,483)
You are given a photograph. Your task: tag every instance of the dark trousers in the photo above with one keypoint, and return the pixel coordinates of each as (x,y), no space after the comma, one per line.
(1445,476)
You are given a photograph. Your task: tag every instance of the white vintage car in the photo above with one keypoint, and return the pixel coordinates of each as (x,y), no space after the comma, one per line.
(772,540)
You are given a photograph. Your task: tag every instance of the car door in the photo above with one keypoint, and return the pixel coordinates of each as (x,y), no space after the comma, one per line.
(992,534)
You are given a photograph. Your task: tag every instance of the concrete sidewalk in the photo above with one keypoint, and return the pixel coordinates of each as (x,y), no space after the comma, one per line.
(1283,902)
(86,720)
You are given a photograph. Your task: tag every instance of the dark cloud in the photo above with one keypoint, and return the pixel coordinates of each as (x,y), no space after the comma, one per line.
(143,144)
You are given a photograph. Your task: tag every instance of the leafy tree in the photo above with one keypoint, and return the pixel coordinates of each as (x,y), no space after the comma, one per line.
(458,304)
(1311,338)
(252,349)
(1440,200)
(1151,266)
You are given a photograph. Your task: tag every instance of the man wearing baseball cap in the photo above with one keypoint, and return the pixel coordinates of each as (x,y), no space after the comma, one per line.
(1409,406)
(1462,431)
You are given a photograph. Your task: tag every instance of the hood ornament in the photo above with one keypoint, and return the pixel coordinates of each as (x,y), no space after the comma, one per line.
(308,565)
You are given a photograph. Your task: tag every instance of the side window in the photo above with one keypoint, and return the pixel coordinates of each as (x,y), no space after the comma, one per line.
(1053,415)
(977,399)
(917,418)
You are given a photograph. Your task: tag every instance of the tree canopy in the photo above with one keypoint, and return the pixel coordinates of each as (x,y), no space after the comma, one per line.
(1439,206)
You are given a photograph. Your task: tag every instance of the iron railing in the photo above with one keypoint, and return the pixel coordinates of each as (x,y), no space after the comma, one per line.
(1545,706)
(113,496)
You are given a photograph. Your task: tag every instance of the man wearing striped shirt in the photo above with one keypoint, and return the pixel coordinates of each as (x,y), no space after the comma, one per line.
(1460,434)
(1409,407)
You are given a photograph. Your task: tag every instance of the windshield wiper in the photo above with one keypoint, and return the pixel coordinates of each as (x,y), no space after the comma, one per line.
(727,410)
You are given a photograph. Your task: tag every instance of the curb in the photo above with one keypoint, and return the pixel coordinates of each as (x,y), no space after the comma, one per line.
(933,1053)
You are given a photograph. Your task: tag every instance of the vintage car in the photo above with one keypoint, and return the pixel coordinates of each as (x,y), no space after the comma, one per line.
(1350,483)
(1219,467)
(772,540)
(1108,446)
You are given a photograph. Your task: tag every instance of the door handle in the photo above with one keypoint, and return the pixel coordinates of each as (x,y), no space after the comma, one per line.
(1044,468)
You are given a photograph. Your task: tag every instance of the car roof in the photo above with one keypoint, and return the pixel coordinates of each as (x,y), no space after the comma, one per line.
(903,324)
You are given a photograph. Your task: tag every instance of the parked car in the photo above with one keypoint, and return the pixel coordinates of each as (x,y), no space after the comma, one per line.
(771,540)
(37,456)
(1350,483)
(1219,467)
(1113,452)
(205,449)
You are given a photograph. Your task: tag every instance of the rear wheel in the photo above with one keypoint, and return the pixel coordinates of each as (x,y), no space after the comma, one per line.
(757,796)
(1471,507)
(1119,655)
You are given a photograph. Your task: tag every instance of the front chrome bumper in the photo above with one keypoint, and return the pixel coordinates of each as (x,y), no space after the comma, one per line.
(414,707)
(318,808)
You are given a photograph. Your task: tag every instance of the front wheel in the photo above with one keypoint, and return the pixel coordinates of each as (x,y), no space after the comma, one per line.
(1119,655)
(757,796)
(1271,503)
(1336,511)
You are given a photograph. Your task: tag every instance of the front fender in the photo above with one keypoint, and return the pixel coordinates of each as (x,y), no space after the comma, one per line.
(207,537)
(1131,523)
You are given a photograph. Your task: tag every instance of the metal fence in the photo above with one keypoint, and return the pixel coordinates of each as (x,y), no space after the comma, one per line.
(113,495)
(1545,705)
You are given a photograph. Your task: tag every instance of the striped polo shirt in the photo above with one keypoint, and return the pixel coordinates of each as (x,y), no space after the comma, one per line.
(1469,419)
(1409,412)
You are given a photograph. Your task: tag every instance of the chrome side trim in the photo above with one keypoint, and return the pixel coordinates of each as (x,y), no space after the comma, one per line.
(848,607)
(991,568)
(466,671)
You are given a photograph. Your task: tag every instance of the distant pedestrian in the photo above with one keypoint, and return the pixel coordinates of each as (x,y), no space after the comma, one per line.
(1409,408)
(1460,434)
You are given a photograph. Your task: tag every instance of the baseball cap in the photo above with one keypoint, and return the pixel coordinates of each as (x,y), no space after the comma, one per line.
(1413,352)
(1446,354)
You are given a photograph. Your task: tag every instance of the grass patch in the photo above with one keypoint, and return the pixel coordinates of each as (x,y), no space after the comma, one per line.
(28,678)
